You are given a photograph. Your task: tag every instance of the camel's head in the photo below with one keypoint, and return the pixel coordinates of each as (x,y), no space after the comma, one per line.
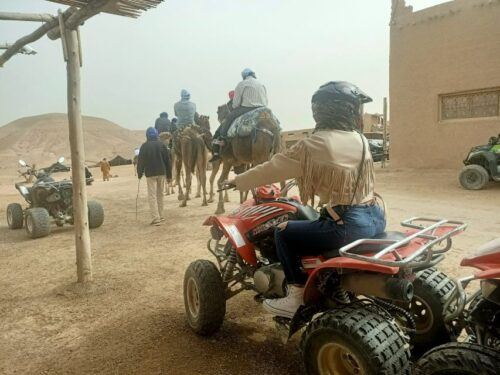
(222,112)
(165,137)
(203,122)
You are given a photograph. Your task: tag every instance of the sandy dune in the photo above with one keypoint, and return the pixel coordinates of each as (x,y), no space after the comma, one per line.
(42,139)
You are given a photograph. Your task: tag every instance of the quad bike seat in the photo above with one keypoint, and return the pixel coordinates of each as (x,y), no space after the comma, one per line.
(307,213)
(370,248)
(303,212)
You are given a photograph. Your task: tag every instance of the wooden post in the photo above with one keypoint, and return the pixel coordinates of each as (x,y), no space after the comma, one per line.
(80,210)
(384,156)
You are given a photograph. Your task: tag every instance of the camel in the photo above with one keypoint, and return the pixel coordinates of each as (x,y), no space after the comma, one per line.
(190,150)
(254,149)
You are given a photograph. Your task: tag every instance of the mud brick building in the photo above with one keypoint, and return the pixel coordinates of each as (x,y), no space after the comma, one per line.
(444,81)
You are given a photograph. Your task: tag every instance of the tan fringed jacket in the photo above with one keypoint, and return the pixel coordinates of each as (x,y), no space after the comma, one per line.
(325,164)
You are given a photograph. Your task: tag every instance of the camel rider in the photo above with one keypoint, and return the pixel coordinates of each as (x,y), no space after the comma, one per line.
(174,124)
(162,123)
(334,163)
(185,110)
(248,95)
(230,102)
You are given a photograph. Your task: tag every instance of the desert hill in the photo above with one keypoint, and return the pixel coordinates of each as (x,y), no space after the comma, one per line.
(42,139)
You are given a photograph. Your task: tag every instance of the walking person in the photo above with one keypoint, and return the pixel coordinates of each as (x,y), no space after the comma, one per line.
(163,124)
(105,169)
(154,162)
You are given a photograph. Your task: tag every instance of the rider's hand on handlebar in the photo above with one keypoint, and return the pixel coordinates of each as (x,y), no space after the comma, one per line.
(228,184)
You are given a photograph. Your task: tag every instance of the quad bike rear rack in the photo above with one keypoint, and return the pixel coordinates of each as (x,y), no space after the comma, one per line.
(429,233)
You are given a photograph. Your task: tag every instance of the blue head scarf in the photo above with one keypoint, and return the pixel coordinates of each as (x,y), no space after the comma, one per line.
(151,134)
(185,95)
(247,72)
(164,114)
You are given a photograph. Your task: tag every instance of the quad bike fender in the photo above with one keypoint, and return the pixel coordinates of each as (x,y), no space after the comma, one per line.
(311,293)
(235,233)
(486,259)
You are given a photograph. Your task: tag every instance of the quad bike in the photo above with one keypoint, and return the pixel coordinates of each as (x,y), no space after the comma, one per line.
(478,315)
(48,201)
(481,165)
(363,304)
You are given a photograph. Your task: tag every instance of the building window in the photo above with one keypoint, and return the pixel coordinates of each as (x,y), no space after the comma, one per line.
(470,105)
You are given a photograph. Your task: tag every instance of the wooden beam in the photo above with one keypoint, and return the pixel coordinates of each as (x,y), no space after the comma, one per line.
(30,38)
(384,148)
(35,17)
(80,209)
(74,17)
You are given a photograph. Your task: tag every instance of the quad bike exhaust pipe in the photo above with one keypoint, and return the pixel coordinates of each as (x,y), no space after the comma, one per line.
(378,286)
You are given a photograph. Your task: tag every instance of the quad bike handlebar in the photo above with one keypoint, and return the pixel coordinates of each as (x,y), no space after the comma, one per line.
(420,257)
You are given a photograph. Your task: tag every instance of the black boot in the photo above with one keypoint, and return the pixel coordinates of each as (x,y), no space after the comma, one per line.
(215,152)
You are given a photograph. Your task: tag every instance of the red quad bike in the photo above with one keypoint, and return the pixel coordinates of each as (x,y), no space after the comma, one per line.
(478,315)
(363,309)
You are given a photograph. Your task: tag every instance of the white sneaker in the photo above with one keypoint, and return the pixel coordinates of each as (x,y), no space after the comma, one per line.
(286,306)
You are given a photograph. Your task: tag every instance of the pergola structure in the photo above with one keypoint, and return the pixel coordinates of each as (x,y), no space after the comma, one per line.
(65,25)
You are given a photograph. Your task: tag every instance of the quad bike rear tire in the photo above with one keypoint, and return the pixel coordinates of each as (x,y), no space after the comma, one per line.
(37,222)
(431,287)
(204,297)
(459,359)
(355,339)
(474,177)
(96,214)
(15,216)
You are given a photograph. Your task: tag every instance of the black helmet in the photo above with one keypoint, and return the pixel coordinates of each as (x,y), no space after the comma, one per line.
(338,105)
(341,91)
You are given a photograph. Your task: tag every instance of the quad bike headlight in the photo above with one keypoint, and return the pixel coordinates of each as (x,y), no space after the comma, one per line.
(216,232)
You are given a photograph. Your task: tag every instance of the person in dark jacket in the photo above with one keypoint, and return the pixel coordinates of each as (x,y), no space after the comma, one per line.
(163,124)
(154,162)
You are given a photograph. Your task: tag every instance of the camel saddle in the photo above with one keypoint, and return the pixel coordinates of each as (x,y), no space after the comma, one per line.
(244,125)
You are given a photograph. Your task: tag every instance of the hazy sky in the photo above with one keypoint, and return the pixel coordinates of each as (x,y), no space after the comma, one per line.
(135,69)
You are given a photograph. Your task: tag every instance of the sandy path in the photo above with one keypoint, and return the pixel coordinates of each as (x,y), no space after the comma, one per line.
(132,321)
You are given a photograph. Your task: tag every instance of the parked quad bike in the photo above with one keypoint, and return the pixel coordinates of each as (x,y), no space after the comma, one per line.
(481,165)
(48,201)
(478,316)
(363,309)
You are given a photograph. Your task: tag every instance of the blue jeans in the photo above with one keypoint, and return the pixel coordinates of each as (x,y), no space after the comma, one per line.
(302,238)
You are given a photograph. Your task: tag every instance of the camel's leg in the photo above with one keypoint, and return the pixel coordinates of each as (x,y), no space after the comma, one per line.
(202,172)
(178,170)
(226,167)
(215,169)
(186,159)
(226,196)
(198,179)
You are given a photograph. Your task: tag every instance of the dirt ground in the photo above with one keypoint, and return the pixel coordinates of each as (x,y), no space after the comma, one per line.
(131,320)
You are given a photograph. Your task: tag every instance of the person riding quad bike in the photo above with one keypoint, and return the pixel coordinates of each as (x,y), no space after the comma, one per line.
(481,165)
(248,95)
(334,163)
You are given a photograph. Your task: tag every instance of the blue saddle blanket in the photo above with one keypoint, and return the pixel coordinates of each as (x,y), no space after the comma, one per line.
(246,123)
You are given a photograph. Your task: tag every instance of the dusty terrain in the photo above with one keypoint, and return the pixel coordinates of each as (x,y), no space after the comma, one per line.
(44,138)
(131,321)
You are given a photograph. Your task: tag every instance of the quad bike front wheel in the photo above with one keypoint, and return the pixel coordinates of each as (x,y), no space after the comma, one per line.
(204,297)
(355,340)
(37,222)
(15,216)
(431,288)
(96,214)
(474,177)
(459,359)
